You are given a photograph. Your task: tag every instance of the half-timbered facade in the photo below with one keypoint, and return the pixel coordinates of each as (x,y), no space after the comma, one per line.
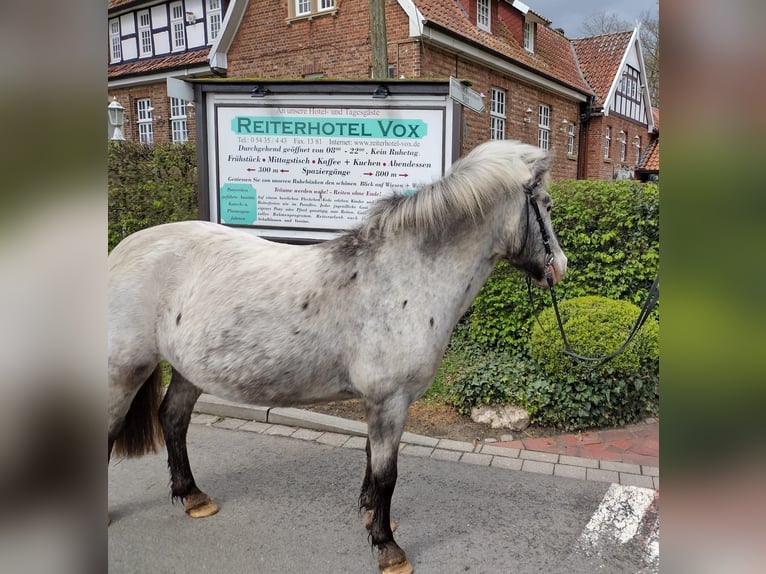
(620,123)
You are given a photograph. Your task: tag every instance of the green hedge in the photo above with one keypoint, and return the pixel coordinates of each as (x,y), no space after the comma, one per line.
(149,185)
(609,231)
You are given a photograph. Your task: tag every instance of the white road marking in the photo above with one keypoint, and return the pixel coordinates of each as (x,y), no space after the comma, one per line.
(618,519)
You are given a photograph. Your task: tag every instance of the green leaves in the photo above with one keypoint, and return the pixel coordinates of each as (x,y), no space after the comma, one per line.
(609,230)
(149,185)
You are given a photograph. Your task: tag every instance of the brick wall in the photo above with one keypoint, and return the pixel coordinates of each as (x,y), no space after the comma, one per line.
(599,167)
(160,115)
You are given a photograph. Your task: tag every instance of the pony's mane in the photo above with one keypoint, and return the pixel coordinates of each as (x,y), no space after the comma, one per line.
(475,183)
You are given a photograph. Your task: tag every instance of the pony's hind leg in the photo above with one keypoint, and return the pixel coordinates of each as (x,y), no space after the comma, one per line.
(175,414)
(385,425)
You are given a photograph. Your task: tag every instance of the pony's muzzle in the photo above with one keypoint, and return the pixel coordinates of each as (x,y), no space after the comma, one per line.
(555,270)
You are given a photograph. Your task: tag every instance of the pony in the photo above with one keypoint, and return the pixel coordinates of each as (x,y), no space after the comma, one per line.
(365,315)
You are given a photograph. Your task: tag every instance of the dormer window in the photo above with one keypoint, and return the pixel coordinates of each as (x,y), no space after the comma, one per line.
(483,19)
(529,36)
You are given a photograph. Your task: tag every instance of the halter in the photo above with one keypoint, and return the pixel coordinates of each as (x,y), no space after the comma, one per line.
(651,298)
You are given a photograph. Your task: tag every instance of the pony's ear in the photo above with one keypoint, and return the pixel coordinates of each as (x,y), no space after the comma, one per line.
(540,166)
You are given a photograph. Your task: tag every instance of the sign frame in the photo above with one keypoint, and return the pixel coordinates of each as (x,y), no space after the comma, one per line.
(257,124)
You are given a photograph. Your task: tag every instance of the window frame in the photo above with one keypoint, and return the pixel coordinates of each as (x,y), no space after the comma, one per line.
(144,120)
(624,147)
(298,9)
(544,126)
(529,36)
(177,27)
(570,139)
(144,34)
(497,113)
(213,19)
(115,41)
(484,10)
(179,126)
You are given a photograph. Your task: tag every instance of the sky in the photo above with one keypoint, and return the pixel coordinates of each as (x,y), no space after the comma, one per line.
(570,14)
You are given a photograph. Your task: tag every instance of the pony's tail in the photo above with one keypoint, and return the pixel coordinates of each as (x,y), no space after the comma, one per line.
(141,432)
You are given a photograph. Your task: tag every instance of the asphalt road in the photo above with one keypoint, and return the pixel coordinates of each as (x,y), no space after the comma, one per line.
(289,507)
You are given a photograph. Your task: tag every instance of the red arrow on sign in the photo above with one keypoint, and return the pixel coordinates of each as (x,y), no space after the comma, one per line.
(252,169)
(404,175)
(367,173)
(284,170)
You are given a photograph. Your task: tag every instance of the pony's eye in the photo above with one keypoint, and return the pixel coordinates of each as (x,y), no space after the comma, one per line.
(548,207)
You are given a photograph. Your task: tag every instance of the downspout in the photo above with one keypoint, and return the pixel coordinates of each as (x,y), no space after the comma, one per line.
(582,145)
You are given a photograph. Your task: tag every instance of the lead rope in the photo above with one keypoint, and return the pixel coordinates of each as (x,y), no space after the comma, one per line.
(651,298)
(651,301)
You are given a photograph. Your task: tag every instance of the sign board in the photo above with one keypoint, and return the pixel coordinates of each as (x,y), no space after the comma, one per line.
(309,166)
(460,92)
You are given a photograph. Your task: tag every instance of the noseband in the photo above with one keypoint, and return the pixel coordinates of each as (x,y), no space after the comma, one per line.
(651,299)
(529,190)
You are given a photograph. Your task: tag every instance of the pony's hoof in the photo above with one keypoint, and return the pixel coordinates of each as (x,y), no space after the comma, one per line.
(368,521)
(401,568)
(200,506)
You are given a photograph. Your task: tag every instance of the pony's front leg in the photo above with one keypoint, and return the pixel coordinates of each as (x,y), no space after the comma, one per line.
(175,414)
(385,426)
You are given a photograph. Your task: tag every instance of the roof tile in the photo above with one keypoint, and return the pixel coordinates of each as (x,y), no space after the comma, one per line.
(600,57)
(553,55)
(159,63)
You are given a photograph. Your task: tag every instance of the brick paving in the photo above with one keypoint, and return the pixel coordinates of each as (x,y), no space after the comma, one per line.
(635,444)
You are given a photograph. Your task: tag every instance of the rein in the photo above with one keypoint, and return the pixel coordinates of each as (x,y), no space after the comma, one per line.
(651,298)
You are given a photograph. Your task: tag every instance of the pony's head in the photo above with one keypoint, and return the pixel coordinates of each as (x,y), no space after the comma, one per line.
(517,176)
(538,252)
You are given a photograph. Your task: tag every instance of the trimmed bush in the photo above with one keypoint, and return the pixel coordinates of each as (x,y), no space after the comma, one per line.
(574,395)
(609,231)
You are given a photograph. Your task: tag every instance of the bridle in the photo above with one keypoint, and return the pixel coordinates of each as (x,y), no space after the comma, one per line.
(651,299)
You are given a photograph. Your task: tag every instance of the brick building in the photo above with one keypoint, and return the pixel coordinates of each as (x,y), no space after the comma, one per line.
(535,90)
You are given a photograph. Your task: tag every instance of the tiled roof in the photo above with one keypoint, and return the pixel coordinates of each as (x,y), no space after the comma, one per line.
(600,58)
(650,161)
(160,63)
(553,55)
(113,4)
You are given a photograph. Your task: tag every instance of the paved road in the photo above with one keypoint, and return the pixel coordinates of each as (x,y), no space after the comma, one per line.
(289,507)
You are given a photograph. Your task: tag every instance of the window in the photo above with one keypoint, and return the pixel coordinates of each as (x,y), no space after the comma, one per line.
(637,143)
(145,33)
(213,20)
(544,127)
(178,26)
(607,141)
(144,115)
(179,129)
(623,146)
(570,138)
(529,36)
(497,114)
(301,8)
(482,15)
(114,41)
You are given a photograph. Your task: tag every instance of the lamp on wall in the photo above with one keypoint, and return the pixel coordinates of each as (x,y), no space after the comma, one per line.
(191,18)
(381,92)
(116,113)
(637,141)
(527,114)
(260,92)
(622,136)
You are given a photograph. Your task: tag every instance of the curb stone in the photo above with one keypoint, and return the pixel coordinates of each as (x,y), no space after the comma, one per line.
(339,432)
